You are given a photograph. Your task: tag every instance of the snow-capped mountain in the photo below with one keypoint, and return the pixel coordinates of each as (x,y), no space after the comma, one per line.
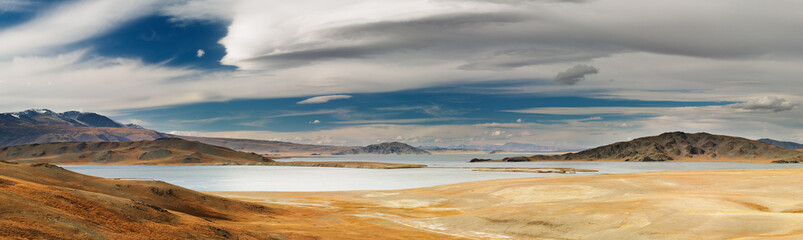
(43,126)
(71,118)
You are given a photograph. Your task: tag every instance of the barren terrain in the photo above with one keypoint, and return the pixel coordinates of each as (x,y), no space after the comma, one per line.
(745,204)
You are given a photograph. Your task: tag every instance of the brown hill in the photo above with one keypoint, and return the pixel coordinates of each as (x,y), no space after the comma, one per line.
(43,201)
(678,146)
(160,151)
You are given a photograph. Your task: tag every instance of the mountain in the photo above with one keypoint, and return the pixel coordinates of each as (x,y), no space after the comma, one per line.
(789,145)
(160,151)
(43,201)
(70,118)
(269,147)
(43,126)
(507,147)
(678,146)
(386,148)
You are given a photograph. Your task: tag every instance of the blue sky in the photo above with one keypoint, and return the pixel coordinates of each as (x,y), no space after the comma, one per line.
(446,72)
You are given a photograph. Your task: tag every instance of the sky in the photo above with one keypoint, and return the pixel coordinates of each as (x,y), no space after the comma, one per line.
(560,73)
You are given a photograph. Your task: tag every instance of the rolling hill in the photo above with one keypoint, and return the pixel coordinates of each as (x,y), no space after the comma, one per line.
(160,151)
(678,146)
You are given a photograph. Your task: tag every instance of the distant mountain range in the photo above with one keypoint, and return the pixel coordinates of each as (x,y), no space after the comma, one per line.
(507,147)
(678,146)
(789,145)
(70,118)
(395,148)
(160,151)
(43,126)
(269,147)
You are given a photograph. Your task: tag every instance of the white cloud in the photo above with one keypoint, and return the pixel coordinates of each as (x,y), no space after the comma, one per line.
(323,99)
(71,80)
(14,5)
(200,53)
(766,103)
(595,110)
(316,121)
(401,121)
(69,23)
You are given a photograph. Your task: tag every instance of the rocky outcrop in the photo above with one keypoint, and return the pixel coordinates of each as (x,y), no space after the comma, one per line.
(389,148)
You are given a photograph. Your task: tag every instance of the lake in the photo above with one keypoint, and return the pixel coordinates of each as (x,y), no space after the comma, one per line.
(443,169)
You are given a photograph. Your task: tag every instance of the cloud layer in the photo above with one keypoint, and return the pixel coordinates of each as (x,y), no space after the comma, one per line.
(720,50)
(323,99)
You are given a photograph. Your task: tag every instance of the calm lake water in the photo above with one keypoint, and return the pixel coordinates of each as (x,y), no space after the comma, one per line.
(443,169)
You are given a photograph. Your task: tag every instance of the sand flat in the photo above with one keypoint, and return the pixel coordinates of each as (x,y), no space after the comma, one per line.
(664,205)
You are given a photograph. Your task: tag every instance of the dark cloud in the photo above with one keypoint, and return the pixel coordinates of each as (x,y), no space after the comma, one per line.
(379,38)
(519,2)
(428,25)
(766,104)
(534,56)
(574,74)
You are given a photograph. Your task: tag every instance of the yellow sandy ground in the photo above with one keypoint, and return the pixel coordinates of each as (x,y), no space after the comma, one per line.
(745,204)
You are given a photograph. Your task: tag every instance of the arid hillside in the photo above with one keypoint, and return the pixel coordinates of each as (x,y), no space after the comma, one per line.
(160,151)
(43,201)
(678,146)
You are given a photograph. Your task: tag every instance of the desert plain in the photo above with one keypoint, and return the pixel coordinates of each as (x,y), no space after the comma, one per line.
(743,204)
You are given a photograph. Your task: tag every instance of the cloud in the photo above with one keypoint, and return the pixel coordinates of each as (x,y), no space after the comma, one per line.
(76,79)
(323,99)
(316,121)
(69,23)
(541,55)
(766,104)
(432,110)
(518,120)
(615,110)
(200,53)
(14,5)
(402,121)
(575,74)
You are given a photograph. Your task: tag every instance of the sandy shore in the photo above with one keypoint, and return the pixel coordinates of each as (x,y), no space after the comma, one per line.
(744,204)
